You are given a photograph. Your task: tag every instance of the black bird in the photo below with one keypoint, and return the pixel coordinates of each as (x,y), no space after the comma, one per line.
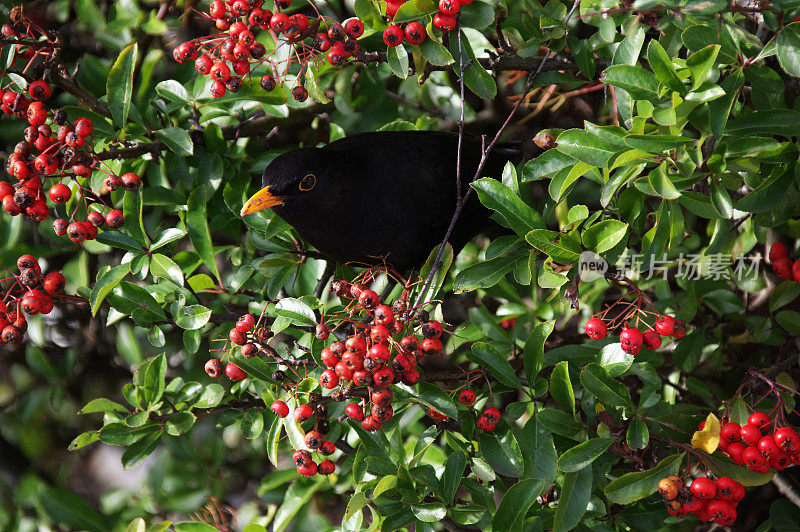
(379,196)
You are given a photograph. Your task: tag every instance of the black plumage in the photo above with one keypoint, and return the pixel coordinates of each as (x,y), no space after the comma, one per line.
(379,196)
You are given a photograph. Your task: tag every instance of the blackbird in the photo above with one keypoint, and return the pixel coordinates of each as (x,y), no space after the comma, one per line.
(379,197)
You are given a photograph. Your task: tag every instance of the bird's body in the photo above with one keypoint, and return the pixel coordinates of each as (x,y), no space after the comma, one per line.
(380,196)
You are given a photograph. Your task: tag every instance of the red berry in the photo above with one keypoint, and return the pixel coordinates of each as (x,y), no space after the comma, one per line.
(60,193)
(431,346)
(246,323)
(651,340)
(411,377)
(326,467)
(736,451)
(354,412)
(217,9)
(234,372)
(778,251)
(383,315)
(354,28)
(432,329)
(730,432)
(759,420)
(631,340)
(302,413)
(415,33)
(313,439)
(665,325)
(767,446)
(279,22)
(444,22)
(466,397)
(308,470)
(300,94)
(54,283)
(703,488)
(327,448)
(237,337)
(60,226)
(392,7)
(371,424)
(37,114)
(409,344)
(203,65)
(783,268)
(787,440)
(393,35)
(486,424)
(492,414)
(131,181)
(329,379)
(40,91)
(596,329)
(449,7)
(383,376)
(753,458)
(721,512)
(115,219)
(280,408)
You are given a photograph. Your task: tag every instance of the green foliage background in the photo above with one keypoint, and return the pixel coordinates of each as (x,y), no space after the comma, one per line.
(703,160)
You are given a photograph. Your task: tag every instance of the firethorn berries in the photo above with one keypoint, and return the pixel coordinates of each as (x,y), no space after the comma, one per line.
(313,439)
(300,94)
(760,420)
(491,414)
(466,396)
(371,424)
(665,325)
(234,372)
(54,283)
(651,340)
(40,91)
(631,340)
(302,413)
(787,440)
(307,470)
(777,251)
(329,379)
(783,267)
(368,299)
(443,22)
(668,488)
(730,432)
(60,193)
(393,35)
(237,337)
(326,467)
(280,408)
(245,323)
(327,448)
(415,33)
(354,28)
(596,329)
(115,219)
(703,488)
(354,412)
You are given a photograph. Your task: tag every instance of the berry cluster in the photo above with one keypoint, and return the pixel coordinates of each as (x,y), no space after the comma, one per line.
(414,32)
(245,334)
(27,293)
(758,444)
(314,440)
(53,148)
(631,338)
(782,265)
(706,499)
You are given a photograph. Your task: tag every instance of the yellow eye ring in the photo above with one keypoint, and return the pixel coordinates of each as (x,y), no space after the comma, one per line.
(308,182)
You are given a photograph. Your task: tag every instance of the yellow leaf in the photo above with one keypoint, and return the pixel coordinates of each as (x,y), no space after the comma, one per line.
(708,438)
(598,407)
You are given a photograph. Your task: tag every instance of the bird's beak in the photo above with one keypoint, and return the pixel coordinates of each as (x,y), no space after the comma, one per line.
(263,199)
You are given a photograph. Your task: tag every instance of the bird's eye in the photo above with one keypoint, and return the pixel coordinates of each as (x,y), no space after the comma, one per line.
(308,182)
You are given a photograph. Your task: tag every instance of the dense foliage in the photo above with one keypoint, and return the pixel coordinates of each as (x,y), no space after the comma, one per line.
(635,324)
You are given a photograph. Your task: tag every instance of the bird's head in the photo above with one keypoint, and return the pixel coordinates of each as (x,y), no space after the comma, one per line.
(296,177)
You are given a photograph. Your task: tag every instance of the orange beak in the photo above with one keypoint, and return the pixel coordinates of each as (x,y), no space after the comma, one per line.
(262,199)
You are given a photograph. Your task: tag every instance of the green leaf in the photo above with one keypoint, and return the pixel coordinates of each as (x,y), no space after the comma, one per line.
(484,354)
(638,82)
(454,467)
(701,62)
(573,501)
(152,374)
(297,496)
(101,404)
(608,391)
(136,453)
(397,57)
(211,396)
(446,260)
(169,234)
(721,200)
(431,512)
(546,165)
(784,122)
(179,423)
(118,433)
(476,78)
(415,10)
(164,267)
(631,487)
(297,311)
(67,509)
(515,504)
(784,293)
(132,209)
(533,352)
(583,454)
(252,424)
(662,184)
(430,395)
(172,91)
(433,51)
(586,147)
(638,435)
(538,450)
(192,317)
(119,240)
(521,217)
(177,140)
(199,233)
(561,387)
(787,44)
(192,526)
(483,274)
(604,235)
(502,452)
(119,87)
(105,283)
(663,68)
(723,466)
(562,248)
